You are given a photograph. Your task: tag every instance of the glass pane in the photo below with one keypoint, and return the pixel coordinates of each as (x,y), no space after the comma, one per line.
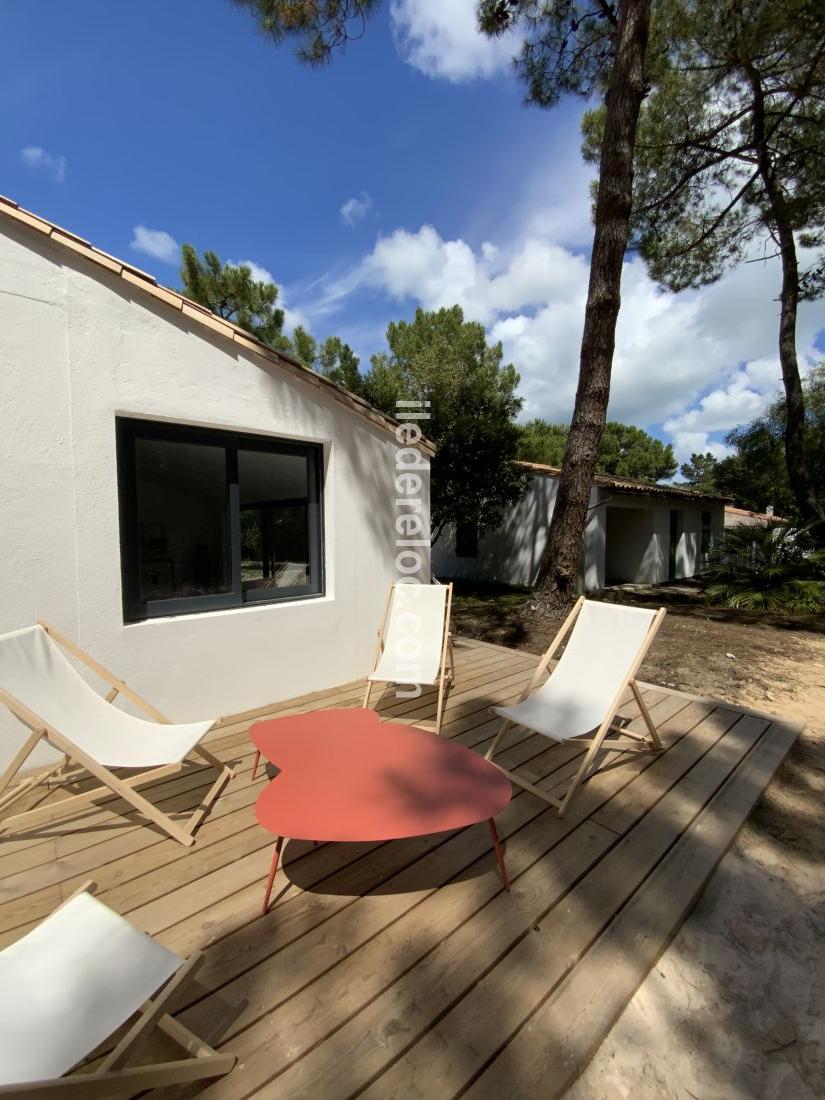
(182,513)
(274,520)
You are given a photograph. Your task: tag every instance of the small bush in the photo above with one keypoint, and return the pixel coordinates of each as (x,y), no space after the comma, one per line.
(768,567)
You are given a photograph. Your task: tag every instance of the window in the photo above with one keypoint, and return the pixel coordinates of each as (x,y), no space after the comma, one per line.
(213,519)
(707,538)
(466,540)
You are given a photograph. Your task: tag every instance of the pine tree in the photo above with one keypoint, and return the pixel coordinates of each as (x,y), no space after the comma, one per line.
(231,292)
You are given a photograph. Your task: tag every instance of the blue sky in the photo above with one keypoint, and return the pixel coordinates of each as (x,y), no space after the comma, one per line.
(181,119)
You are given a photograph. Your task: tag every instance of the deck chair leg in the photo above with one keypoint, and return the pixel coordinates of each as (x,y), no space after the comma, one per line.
(197,817)
(439,714)
(127,793)
(25,787)
(8,795)
(651,725)
(366,702)
(148,809)
(505,725)
(20,757)
(212,760)
(150,1015)
(584,770)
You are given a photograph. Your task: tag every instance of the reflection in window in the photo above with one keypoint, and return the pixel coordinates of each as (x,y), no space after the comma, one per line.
(275,537)
(182,513)
(213,519)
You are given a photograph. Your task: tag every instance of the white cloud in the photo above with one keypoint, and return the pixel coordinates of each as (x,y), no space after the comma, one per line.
(36,157)
(698,363)
(442,39)
(436,272)
(156,243)
(259,273)
(355,209)
(741,399)
(686,444)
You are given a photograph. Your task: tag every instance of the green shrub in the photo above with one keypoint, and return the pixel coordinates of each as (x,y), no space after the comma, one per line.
(768,567)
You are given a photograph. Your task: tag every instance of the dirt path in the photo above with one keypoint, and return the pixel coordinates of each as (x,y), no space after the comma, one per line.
(735,1007)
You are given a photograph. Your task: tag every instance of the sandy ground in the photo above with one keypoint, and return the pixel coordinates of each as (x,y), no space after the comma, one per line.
(735,1007)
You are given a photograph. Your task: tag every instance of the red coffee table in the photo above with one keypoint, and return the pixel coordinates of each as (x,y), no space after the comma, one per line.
(347,776)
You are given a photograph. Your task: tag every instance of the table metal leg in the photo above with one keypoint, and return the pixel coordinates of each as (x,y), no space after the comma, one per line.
(499,854)
(272,870)
(257,762)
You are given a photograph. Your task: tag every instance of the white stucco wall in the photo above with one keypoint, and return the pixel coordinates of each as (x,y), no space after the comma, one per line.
(77,348)
(627,538)
(512,553)
(652,550)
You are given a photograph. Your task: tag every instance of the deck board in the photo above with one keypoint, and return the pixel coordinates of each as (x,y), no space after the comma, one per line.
(403,969)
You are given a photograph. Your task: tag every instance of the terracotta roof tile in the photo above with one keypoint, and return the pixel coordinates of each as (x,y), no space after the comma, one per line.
(630,484)
(730,510)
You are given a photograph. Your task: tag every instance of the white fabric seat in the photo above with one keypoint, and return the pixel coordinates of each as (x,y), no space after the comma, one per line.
(414,642)
(606,644)
(37,674)
(46,692)
(414,635)
(69,984)
(593,668)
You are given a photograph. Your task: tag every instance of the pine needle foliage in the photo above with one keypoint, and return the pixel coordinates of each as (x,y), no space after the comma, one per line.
(231,292)
(319,26)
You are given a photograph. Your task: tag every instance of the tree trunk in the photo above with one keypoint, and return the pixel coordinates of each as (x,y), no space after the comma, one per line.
(809,508)
(558,571)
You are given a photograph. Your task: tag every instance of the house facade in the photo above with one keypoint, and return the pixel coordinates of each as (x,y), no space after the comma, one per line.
(636,533)
(207,517)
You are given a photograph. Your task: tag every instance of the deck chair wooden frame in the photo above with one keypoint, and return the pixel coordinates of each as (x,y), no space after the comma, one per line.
(113,1078)
(446,673)
(625,742)
(112,785)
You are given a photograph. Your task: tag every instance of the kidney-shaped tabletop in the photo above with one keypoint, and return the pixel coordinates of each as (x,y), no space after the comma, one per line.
(347,776)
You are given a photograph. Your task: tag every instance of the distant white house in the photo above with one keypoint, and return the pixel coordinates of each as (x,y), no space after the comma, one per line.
(738,517)
(636,532)
(209,518)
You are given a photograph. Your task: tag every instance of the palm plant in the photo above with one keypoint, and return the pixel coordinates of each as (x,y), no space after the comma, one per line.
(768,567)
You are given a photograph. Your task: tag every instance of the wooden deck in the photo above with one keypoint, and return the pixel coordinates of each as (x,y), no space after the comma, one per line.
(402,969)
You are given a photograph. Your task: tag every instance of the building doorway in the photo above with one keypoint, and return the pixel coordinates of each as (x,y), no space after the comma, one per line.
(677,526)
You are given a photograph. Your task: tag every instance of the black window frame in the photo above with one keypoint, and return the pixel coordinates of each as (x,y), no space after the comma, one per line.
(128,430)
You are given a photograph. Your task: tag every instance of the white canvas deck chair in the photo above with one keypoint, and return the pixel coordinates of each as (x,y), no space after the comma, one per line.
(70,984)
(579,699)
(415,645)
(47,694)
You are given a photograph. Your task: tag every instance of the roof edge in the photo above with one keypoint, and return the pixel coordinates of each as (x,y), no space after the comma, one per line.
(627,484)
(136,277)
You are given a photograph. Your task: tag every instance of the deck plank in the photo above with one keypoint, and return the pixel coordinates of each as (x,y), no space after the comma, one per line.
(403,968)
(553,1049)
(456,1048)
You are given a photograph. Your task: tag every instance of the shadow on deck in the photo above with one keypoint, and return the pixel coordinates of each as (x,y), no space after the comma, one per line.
(403,968)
